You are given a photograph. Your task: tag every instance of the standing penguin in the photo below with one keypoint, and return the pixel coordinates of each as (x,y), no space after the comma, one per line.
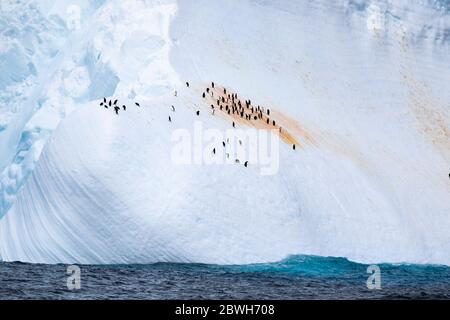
(198,112)
(170,119)
(203,95)
(124,108)
(109,103)
(214,150)
(187,84)
(116,108)
(246,164)
(293,146)
(115,102)
(173,108)
(234,125)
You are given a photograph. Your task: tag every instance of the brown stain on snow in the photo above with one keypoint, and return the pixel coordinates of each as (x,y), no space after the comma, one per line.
(432,121)
(288,129)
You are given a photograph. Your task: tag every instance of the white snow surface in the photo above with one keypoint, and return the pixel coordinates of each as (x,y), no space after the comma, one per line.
(366,79)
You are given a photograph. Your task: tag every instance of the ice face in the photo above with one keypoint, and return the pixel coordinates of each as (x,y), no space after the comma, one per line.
(366,80)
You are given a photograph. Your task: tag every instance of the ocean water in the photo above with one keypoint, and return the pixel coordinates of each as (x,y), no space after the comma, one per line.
(298,277)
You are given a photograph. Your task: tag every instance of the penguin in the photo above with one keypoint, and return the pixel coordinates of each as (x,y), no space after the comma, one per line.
(124,108)
(170,119)
(115,102)
(212,84)
(240,142)
(101,103)
(117,109)
(198,112)
(234,125)
(246,164)
(221,107)
(255,117)
(207,90)
(223,143)
(273,122)
(110,103)
(237,161)
(267,121)
(268,112)
(223,100)
(137,104)
(224,91)
(104,100)
(214,150)
(187,84)
(204,95)
(173,108)
(106,106)
(293,146)
(218,102)
(175,93)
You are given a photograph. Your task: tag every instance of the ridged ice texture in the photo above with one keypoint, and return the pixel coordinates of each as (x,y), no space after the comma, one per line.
(368,80)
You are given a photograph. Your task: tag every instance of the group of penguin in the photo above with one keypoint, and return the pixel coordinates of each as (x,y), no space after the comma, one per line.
(231,104)
(113,104)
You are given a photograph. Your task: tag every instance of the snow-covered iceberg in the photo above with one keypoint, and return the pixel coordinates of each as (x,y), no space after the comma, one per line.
(363,83)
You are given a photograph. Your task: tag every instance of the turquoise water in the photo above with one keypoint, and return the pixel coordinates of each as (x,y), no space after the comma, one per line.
(298,277)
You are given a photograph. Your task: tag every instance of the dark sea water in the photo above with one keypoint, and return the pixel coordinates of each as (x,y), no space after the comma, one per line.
(298,277)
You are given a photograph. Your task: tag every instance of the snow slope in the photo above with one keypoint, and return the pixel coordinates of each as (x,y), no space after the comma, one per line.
(366,80)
